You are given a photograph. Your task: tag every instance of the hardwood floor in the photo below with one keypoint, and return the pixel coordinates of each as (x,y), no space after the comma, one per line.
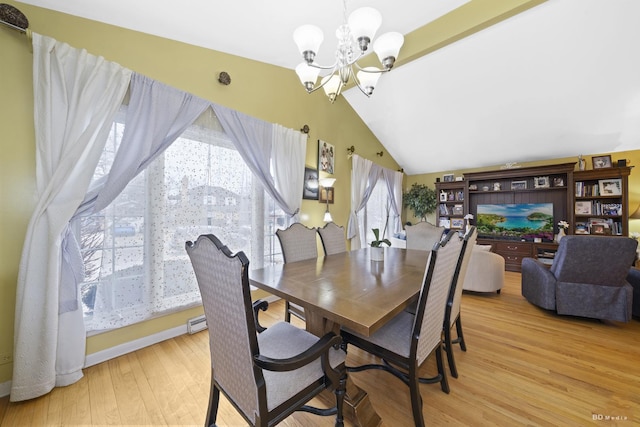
(523,366)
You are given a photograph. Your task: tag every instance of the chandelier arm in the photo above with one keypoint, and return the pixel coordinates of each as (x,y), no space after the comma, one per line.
(322,84)
(357,82)
(322,67)
(377,71)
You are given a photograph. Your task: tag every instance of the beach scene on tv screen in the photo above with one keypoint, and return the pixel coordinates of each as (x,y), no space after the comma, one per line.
(524,220)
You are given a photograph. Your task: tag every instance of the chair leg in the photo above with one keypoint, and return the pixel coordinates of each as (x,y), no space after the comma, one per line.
(463,346)
(287,312)
(340,392)
(444,384)
(416,398)
(214,400)
(448,346)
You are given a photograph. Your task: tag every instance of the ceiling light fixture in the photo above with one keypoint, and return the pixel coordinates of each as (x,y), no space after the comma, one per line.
(354,38)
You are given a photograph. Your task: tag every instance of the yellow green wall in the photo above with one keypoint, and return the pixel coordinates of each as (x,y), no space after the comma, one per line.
(632,157)
(267,92)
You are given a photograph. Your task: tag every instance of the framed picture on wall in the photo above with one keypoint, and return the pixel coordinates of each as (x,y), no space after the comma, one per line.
(326,157)
(310,185)
(326,195)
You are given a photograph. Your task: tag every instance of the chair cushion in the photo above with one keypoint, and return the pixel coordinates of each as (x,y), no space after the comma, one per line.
(284,340)
(486,248)
(395,335)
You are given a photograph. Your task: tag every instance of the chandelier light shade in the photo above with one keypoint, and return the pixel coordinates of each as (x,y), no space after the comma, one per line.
(354,38)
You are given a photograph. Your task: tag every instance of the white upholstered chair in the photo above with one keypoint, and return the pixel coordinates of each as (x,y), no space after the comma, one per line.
(266,374)
(423,235)
(485,272)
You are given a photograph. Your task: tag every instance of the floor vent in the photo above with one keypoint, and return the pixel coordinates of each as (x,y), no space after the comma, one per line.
(196,324)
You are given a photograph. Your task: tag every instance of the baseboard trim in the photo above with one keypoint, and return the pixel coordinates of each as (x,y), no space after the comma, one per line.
(125,348)
(5,389)
(131,346)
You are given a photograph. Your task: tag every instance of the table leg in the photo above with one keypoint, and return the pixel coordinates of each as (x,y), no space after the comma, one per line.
(357,409)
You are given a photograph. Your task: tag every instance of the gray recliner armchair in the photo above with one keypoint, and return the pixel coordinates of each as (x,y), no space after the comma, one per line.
(587,278)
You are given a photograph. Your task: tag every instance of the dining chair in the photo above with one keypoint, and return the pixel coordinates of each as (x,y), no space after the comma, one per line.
(452,316)
(265,375)
(405,342)
(298,243)
(332,237)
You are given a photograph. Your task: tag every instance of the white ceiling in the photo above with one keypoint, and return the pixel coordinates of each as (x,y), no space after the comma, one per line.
(558,80)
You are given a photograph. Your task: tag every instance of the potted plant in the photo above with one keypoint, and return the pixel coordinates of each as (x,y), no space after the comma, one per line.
(421,199)
(377,251)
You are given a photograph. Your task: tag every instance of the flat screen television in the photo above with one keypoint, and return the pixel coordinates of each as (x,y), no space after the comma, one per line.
(517,220)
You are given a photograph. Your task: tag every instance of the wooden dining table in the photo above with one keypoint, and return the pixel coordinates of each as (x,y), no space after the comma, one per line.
(349,290)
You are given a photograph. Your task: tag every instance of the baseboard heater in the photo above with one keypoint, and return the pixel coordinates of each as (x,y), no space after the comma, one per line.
(196,324)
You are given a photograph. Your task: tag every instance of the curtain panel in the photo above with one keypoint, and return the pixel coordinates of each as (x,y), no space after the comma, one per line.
(364,177)
(76,96)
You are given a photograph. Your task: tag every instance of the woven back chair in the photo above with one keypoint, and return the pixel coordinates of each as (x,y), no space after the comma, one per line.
(407,340)
(332,237)
(452,312)
(266,376)
(298,243)
(423,235)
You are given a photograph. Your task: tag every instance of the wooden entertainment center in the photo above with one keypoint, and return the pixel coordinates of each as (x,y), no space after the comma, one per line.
(600,197)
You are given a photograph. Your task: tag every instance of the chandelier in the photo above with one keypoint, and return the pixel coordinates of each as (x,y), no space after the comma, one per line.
(354,37)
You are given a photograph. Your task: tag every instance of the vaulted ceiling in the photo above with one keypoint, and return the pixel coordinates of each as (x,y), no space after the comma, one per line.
(478,83)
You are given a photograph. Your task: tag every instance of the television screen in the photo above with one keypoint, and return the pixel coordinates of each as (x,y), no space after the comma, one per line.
(523,220)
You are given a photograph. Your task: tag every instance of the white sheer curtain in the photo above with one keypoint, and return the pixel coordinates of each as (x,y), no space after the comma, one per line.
(254,140)
(156,116)
(363,179)
(394,185)
(76,98)
(289,152)
(364,176)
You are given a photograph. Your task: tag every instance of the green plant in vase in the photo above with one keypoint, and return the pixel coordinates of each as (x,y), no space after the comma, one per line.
(377,251)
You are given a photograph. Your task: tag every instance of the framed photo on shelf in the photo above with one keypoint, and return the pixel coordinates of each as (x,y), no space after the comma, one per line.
(518,185)
(444,222)
(448,178)
(310,186)
(601,162)
(541,182)
(558,181)
(443,196)
(610,187)
(600,229)
(583,208)
(457,210)
(457,223)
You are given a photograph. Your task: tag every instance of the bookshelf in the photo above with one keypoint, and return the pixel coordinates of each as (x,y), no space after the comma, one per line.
(601,201)
(452,204)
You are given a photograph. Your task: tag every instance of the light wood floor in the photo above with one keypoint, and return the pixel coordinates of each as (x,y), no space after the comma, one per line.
(523,366)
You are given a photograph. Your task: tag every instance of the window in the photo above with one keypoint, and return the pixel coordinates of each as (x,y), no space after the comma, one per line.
(376,214)
(136,266)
